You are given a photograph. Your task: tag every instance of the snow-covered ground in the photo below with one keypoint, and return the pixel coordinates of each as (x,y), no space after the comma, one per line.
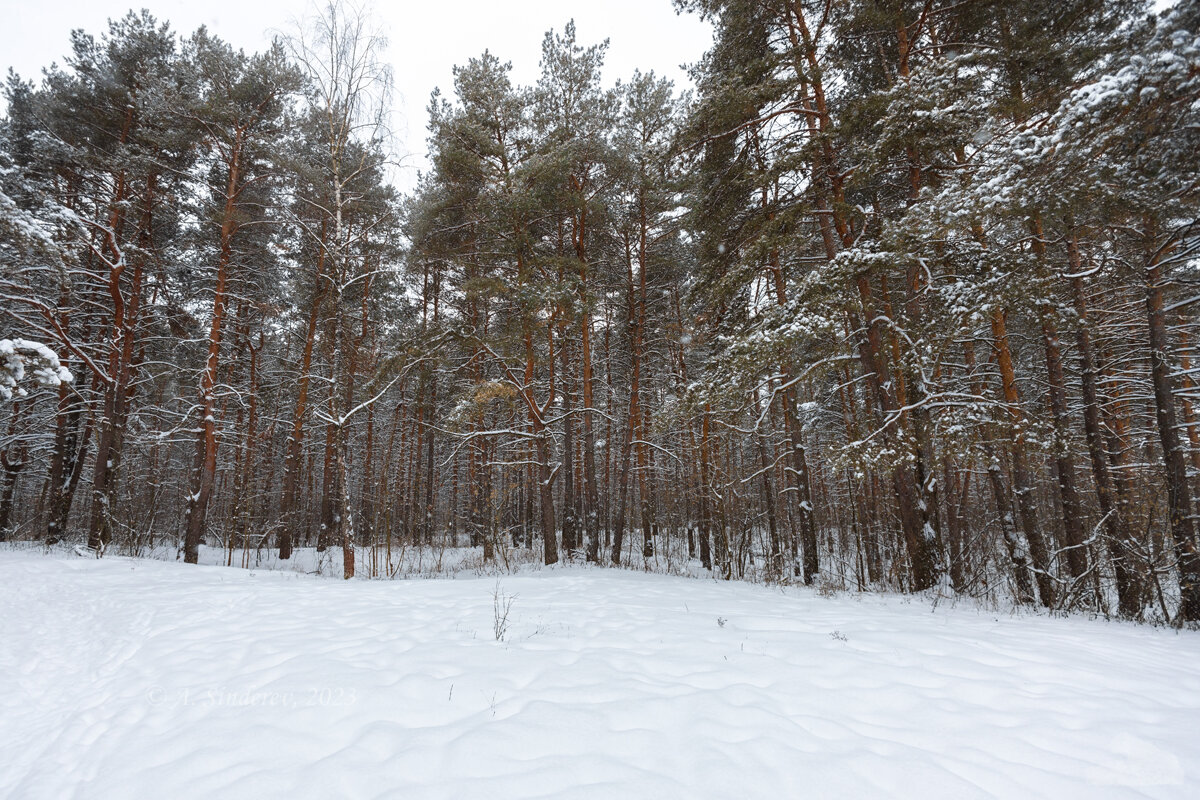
(126,678)
(371,562)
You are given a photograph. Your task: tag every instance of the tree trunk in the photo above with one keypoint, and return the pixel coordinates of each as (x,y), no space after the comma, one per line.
(1064,462)
(295,442)
(1022,485)
(206,442)
(1179,496)
(1111,505)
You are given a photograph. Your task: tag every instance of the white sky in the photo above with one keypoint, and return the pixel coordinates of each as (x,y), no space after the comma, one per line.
(426,39)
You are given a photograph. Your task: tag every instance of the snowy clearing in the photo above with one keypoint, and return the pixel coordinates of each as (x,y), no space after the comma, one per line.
(125,678)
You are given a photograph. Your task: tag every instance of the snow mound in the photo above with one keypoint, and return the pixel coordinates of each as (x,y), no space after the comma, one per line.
(140,679)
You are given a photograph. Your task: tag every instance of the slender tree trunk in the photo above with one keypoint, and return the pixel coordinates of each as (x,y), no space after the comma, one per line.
(1179,496)
(570,516)
(12,460)
(1111,505)
(206,443)
(1017,550)
(1022,484)
(797,469)
(66,460)
(1064,462)
(120,354)
(295,442)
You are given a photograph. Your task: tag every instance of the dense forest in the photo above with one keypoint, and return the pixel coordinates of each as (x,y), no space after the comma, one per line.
(901,296)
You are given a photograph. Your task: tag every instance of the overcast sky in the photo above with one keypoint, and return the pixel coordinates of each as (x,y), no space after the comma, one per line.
(426,38)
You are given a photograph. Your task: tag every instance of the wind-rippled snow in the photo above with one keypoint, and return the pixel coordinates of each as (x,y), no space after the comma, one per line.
(122,678)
